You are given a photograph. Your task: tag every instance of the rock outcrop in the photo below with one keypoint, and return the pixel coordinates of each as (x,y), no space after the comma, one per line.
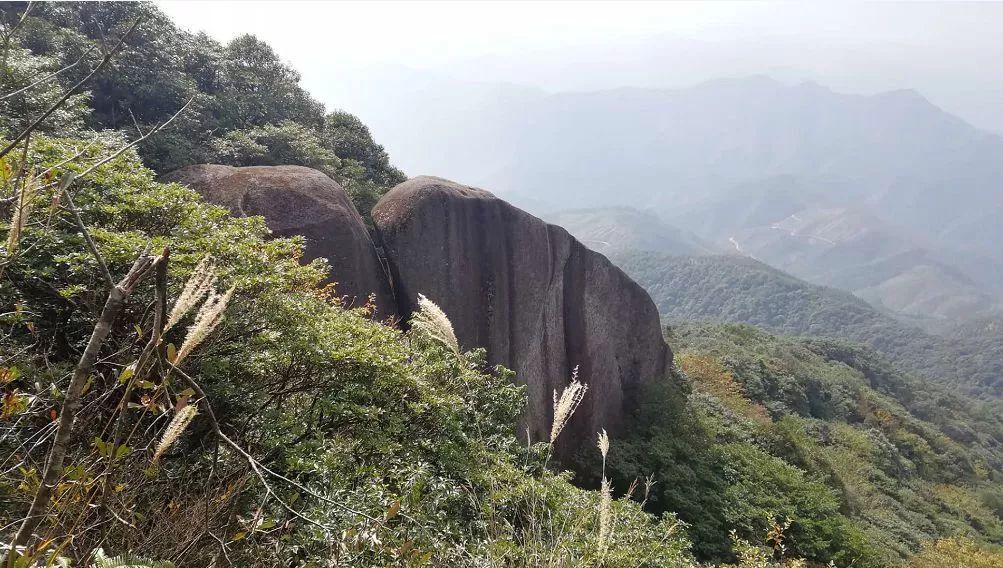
(295,200)
(539,301)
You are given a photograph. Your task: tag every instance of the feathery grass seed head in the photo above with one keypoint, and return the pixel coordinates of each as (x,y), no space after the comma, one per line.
(433,322)
(200,283)
(24,202)
(632,489)
(566,405)
(603,443)
(208,317)
(174,430)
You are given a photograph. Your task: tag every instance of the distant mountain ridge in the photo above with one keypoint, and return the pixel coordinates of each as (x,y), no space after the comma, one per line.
(884,195)
(908,188)
(615,229)
(852,249)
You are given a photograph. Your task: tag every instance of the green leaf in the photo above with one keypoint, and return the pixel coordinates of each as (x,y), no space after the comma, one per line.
(122,450)
(8,375)
(127,373)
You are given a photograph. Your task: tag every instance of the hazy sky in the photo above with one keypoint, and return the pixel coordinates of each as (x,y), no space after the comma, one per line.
(951,52)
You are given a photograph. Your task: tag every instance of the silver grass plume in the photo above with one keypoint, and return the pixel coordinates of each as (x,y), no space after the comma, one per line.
(433,322)
(632,489)
(24,202)
(649,482)
(200,283)
(174,430)
(603,445)
(208,317)
(566,405)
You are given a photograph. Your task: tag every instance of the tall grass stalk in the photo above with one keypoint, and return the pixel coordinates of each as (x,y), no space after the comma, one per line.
(174,430)
(605,497)
(433,322)
(24,202)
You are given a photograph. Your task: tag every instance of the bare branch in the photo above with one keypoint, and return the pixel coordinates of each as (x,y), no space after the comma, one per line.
(135,123)
(160,280)
(70,177)
(123,149)
(24,17)
(64,185)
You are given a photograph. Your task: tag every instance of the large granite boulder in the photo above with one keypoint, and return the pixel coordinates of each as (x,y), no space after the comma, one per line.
(295,200)
(536,298)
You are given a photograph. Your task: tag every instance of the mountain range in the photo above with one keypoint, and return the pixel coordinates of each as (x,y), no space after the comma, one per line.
(885,195)
(691,280)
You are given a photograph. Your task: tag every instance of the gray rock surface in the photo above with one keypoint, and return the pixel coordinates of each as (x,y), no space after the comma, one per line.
(536,298)
(296,200)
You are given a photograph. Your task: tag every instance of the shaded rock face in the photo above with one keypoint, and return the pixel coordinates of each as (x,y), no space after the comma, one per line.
(536,298)
(295,200)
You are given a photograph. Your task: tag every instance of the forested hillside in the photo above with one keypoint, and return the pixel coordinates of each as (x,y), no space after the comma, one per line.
(830,431)
(743,290)
(179,388)
(888,193)
(819,233)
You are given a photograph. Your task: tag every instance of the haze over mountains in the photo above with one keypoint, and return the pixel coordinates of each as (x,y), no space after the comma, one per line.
(886,195)
(833,142)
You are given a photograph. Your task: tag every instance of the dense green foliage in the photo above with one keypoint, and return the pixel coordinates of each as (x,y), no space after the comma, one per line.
(401,450)
(247,107)
(868,463)
(738,289)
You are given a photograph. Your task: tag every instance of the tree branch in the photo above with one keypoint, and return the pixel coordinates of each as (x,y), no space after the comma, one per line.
(160,279)
(70,177)
(54,463)
(122,150)
(64,185)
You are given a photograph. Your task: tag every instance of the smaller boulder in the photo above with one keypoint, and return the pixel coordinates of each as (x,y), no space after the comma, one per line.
(296,200)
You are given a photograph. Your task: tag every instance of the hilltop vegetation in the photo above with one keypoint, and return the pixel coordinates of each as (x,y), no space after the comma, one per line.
(396,445)
(246,105)
(370,446)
